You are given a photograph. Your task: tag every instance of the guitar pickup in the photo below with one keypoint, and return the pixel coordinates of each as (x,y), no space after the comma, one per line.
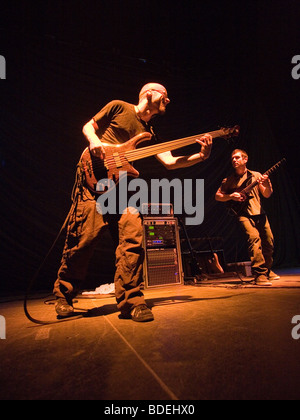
(106,164)
(117,160)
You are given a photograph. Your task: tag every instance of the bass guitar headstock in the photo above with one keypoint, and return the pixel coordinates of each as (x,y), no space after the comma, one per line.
(228,133)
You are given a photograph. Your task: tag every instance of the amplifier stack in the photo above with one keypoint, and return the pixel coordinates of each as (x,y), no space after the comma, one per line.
(163,264)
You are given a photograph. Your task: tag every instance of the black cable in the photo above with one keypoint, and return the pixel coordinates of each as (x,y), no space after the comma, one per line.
(33,279)
(74,198)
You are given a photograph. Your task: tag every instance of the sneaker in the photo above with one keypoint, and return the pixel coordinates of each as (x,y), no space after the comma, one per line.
(63,308)
(141,313)
(262,281)
(273,276)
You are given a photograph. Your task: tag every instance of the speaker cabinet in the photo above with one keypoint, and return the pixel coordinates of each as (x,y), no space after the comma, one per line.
(162,264)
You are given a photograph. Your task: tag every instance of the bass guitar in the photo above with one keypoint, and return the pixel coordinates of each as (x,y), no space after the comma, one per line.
(237,207)
(118,158)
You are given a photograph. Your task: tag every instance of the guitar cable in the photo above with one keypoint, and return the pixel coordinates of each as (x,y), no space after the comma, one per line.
(74,199)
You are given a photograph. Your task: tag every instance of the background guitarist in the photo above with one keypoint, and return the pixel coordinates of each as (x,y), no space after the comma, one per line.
(116,123)
(251,215)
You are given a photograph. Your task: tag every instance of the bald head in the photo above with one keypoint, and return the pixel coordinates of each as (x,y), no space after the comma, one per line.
(153,99)
(153,86)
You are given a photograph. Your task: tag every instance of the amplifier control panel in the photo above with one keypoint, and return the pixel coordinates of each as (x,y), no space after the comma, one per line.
(160,233)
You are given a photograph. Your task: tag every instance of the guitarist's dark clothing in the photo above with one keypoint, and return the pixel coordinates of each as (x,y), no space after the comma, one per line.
(234,183)
(254,222)
(117,122)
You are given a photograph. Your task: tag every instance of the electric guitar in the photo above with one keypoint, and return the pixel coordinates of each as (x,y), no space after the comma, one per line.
(214,260)
(236,207)
(118,158)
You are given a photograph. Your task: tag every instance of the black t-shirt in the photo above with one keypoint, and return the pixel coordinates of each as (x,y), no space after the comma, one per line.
(117,122)
(234,183)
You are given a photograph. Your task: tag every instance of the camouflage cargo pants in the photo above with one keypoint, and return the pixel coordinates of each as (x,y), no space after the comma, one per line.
(84,231)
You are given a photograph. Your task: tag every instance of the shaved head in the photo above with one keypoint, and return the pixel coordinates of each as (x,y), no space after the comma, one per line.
(153,99)
(153,86)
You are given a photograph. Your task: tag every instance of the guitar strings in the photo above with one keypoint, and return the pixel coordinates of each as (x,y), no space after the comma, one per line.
(269,172)
(132,155)
(170,145)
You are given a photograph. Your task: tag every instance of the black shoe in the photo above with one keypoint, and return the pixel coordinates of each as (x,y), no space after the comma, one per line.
(141,313)
(63,307)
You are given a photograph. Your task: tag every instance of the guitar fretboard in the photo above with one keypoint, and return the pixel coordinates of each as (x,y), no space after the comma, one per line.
(148,151)
(269,172)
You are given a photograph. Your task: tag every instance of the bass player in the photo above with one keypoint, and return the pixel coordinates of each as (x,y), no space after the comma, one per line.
(115,124)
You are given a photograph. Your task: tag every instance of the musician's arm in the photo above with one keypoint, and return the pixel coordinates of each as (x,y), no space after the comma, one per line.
(265,186)
(176,162)
(223,197)
(220,196)
(89,131)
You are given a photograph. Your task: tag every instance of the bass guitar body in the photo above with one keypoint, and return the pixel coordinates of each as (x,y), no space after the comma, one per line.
(100,172)
(237,207)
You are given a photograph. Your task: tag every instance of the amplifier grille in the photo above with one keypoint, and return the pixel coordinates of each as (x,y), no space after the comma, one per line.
(163,267)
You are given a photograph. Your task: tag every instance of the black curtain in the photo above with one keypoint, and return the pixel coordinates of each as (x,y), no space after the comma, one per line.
(223,63)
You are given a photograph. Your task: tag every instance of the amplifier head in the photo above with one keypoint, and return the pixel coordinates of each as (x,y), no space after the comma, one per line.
(157,209)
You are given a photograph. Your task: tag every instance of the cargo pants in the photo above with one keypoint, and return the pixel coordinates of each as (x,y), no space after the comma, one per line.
(84,231)
(260,243)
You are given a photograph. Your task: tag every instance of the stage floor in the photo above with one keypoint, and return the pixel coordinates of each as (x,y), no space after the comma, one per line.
(223,340)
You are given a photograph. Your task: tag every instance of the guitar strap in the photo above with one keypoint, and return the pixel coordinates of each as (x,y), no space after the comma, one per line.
(155,138)
(249,177)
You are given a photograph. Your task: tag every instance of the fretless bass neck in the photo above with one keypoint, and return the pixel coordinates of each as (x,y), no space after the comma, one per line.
(118,158)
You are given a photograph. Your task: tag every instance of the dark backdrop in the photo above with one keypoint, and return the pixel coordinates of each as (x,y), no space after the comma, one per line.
(223,63)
